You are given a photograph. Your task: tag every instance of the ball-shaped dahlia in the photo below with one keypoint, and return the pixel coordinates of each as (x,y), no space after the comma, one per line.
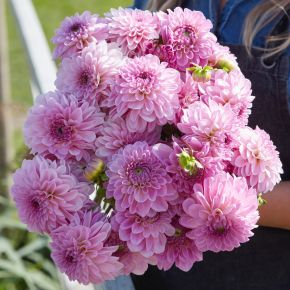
(58,124)
(209,123)
(76,32)
(257,159)
(187,36)
(46,194)
(145,235)
(132,29)
(78,250)
(221,214)
(115,135)
(230,88)
(89,74)
(138,180)
(147,92)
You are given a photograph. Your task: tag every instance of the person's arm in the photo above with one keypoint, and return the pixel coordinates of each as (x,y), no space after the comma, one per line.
(276,213)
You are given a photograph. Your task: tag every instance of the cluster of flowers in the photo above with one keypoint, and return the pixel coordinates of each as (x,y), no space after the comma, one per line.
(142,155)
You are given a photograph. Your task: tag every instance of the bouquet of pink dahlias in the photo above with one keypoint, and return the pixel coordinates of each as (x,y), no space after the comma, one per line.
(142,155)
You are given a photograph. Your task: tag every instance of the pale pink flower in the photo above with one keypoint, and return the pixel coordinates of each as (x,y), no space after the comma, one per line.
(78,250)
(222,213)
(115,135)
(58,124)
(257,159)
(138,180)
(132,29)
(209,123)
(89,74)
(46,195)
(230,88)
(145,235)
(147,92)
(77,32)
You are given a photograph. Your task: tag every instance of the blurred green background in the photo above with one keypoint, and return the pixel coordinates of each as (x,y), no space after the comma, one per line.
(24,257)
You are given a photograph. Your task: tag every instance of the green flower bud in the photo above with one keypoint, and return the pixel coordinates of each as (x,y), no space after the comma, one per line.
(189,163)
(261,200)
(201,74)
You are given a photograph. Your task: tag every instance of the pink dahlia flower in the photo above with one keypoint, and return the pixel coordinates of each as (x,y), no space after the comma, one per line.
(147,91)
(58,124)
(132,29)
(89,74)
(257,159)
(179,250)
(115,135)
(230,88)
(222,213)
(78,250)
(145,235)
(186,34)
(138,180)
(46,195)
(133,262)
(210,124)
(76,32)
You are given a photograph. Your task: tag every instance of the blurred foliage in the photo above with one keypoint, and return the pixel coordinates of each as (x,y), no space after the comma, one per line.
(24,256)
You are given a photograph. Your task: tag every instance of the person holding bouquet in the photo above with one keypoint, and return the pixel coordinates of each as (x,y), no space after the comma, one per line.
(147,153)
(257,32)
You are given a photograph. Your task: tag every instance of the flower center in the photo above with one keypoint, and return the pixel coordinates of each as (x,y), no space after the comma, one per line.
(84,78)
(147,220)
(75,27)
(139,174)
(35,203)
(218,223)
(144,82)
(185,34)
(60,131)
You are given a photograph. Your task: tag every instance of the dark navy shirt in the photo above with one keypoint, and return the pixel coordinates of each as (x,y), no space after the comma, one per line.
(228,23)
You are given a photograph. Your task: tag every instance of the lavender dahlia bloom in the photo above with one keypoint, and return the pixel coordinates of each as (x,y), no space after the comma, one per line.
(115,135)
(145,235)
(138,180)
(76,32)
(46,195)
(131,29)
(58,124)
(78,250)
(222,213)
(89,74)
(257,159)
(147,92)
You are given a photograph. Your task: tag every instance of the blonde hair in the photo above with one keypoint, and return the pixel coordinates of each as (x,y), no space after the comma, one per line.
(258,18)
